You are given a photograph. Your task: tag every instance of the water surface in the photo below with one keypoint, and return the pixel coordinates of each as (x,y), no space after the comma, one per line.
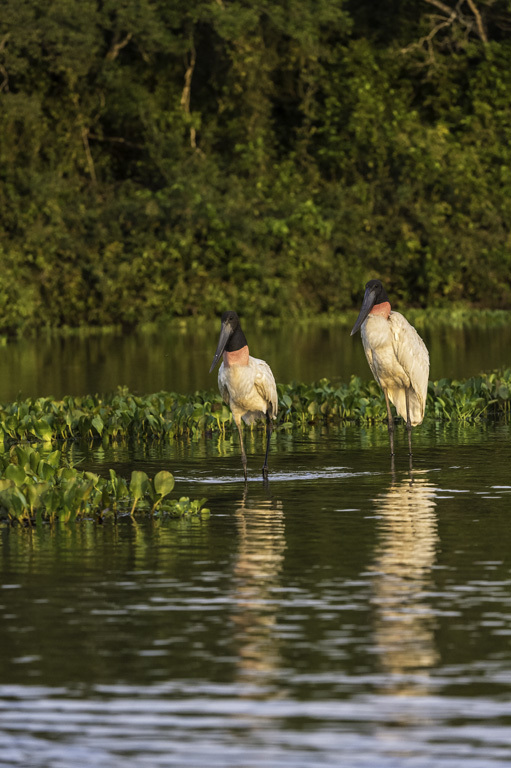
(178,360)
(344,614)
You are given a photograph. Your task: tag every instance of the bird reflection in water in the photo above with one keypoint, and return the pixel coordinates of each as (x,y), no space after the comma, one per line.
(405,555)
(257,570)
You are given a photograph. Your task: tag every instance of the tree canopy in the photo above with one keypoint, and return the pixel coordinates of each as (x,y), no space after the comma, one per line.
(170,159)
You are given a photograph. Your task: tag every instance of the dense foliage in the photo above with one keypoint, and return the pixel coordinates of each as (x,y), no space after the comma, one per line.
(166,415)
(169,159)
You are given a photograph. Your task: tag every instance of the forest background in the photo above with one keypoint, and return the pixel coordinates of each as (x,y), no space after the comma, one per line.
(170,158)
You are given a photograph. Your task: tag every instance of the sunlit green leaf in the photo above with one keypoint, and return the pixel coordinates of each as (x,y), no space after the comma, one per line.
(163,483)
(16,474)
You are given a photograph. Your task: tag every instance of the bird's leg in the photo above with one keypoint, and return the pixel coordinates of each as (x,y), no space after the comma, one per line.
(243,454)
(390,423)
(408,422)
(269,429)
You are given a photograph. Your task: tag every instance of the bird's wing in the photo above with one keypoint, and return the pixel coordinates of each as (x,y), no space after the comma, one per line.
(264,382)
(412,354)
(222,385)
(369,352)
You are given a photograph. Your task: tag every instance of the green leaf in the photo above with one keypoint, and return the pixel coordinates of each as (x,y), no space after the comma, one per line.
(53,459)
(45,471)
(139,484)
(16,473)
(42,430)
(92,477)
(33,492)
(97,423)
(22,456)
(34,458)
(164,483)
(67,473)
(14,501)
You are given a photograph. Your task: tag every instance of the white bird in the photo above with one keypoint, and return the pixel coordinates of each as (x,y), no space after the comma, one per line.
(247,385)
(397,357)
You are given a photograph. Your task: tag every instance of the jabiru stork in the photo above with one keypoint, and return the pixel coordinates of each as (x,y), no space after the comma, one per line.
(247,384)
(397,357)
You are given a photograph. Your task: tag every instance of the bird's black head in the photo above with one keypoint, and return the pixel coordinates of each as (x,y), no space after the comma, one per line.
(380,293)
(375,293)
(231,336)
(231,318)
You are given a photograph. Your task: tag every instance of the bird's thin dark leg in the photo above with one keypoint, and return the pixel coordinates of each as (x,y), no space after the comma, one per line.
(269,429)
(408,422)
(243,454)
(390,423)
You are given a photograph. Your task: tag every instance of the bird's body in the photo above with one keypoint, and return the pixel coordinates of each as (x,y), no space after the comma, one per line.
(247,384)
(399,361)
(397,356)
(248,389)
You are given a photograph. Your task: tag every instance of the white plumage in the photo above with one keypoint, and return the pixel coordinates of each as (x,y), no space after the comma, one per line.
(399,360)
(246,383)
(249,390)
(397,357)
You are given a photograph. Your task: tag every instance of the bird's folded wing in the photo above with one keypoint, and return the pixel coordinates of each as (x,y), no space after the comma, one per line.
(222,385)
(411,353)
(369,356)
(264,382)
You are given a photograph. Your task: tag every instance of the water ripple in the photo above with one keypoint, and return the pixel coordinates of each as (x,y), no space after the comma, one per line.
(210,725)
(325,473)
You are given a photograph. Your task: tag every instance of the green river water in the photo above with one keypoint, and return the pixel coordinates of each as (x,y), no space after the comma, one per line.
(178,360)
(346,613)
(342,614)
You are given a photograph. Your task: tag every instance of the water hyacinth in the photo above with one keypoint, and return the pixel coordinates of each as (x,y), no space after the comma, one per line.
(165,415)
(37,486)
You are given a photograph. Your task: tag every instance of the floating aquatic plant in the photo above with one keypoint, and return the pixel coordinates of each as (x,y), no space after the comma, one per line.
(37,486)
(165,415)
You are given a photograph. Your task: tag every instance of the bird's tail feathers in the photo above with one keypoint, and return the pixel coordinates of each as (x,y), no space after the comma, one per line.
(398,398)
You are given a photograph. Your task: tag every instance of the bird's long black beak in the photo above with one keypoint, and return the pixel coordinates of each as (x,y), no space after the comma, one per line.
(225,333)
(367,305)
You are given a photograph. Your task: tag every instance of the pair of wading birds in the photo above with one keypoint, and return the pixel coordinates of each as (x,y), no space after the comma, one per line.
(395,352)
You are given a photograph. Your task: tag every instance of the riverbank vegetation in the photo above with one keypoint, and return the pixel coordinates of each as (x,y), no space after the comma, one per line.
(165,415)
(170,160)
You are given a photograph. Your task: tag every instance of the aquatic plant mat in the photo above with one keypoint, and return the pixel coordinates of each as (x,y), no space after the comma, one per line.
(166,414)
(37,484)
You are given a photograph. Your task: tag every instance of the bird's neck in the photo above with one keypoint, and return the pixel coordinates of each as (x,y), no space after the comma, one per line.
(236,341)
(237,357)
(236,349)
(382,310)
